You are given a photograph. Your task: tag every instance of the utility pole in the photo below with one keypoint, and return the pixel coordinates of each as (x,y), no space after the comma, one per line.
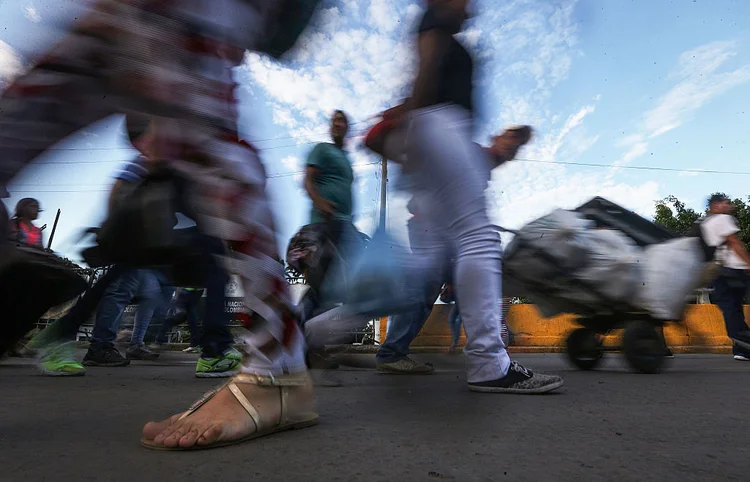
(383,189)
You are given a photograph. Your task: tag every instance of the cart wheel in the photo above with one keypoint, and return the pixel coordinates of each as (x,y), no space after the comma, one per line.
(643,347)
(584,349)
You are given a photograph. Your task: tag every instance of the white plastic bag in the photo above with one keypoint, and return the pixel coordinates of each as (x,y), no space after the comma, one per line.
(671,271)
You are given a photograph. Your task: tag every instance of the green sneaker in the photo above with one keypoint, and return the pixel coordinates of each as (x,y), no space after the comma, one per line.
(58,360)
(227,365)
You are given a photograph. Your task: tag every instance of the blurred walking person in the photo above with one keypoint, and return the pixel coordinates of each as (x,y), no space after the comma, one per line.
(720,231)
(174,61)
(451,176)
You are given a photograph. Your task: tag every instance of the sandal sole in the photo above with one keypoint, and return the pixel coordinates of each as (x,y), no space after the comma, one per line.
(313,420)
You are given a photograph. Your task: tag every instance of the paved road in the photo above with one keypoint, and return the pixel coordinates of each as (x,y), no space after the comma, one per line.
(686,424)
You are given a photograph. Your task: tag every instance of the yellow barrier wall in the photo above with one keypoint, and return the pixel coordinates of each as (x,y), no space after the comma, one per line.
(703,326)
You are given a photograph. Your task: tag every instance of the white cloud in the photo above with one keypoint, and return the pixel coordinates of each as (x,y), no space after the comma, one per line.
(292,162)
(10,64)
(699,81)
(32,14)
(339,65)
(381,15)
(524,191)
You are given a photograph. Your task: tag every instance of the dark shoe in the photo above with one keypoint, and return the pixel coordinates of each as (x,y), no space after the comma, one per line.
(668,353)
(519,380)
(742,339)
(741,357)
(405,366)
(105,356)
(140,352)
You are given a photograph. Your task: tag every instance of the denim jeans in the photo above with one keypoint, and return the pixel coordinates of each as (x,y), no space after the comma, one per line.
(66,328)
(729,293)
(154,294)
(424,286)
(185,307)
(454,321)
(116,297)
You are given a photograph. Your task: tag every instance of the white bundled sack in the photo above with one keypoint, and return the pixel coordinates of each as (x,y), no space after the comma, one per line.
(558,235)
(613,264)
(671,271)
(605,261)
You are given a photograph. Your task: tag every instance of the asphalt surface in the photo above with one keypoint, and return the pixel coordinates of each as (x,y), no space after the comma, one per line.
(686,424)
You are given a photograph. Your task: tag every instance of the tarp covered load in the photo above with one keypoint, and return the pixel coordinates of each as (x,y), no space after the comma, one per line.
(566,264)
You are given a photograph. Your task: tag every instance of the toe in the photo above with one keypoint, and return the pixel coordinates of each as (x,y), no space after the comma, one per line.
(211,435)
(172,434)
(191,437)
(152,429)
(173,439)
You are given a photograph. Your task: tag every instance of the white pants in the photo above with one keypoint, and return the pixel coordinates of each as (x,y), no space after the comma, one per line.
(451,177)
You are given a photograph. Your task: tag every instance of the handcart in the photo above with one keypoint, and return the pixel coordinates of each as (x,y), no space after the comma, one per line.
(642,341)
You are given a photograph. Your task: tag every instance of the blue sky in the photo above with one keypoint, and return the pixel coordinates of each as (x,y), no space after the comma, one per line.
(624,84)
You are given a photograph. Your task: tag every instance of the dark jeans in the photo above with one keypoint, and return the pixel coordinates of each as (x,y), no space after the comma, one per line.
(66,328)
(341,241)
(153,292)
(216,337)
(729,293)
(424,287)
(454,321)
(186,307)
(405,327)
(116,297)
(324,279)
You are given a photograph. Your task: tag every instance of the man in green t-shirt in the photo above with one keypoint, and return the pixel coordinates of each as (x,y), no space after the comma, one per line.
(330,176)
(328,182)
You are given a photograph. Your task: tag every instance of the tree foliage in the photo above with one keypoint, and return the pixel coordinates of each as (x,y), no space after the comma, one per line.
(674,215)
(671,213)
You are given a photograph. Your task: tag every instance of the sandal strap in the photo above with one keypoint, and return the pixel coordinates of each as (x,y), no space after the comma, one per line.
(249,408)
(283,383)
(294,380)
(201,401)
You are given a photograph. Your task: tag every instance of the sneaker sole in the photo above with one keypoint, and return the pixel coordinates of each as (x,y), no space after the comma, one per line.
(52,373)
(217,374)
(741,358)
(105,365)
(518,391)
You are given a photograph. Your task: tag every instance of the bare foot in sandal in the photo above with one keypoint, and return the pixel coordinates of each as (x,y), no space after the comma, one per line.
(247,407)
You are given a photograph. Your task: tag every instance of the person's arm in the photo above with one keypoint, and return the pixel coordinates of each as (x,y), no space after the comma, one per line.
(735,244)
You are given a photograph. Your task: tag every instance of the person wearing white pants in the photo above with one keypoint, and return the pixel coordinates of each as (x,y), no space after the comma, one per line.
(451,174)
